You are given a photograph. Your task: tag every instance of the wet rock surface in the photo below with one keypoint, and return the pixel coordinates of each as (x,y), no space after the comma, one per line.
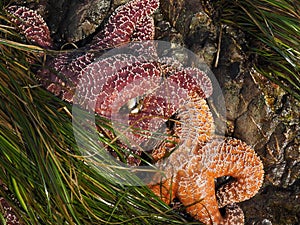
(274,205)
(74,20)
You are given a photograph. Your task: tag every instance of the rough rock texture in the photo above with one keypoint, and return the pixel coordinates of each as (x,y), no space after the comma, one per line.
(76,19)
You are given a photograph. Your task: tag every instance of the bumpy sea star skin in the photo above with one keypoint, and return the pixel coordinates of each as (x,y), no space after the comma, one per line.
(217,158)
(190,172)
(199,156)
(113,89)
(129,22)
(6,210)
(9,214)
(32,25)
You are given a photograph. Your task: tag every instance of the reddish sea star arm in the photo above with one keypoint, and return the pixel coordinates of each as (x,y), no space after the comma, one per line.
(32,25)
(60,76)
(122,24)
(9,214)
(144,29)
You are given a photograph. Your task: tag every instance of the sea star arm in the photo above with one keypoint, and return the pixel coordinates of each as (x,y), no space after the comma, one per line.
(122,24)
(174,94)
(195,125)
(142,39)
(61,74)
(196,192)
(166,190)
(31,24)
(233,215)
(131,18)
(144,29)
(217,158)
(198,196)
(241,162)
(131,21)
(9,213)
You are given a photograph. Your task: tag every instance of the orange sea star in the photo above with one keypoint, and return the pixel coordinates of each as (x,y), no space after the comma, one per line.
(201,157)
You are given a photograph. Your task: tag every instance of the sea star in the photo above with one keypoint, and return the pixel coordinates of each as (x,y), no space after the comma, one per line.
(5,209)
(201,156)
(129,22)
(9,214)
(62,73)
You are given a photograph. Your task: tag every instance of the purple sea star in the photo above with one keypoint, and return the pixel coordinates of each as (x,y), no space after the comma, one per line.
(129,22)
(201,156)
(62,73)
(9,213)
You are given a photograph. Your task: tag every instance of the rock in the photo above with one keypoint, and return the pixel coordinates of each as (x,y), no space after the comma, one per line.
(71,21)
